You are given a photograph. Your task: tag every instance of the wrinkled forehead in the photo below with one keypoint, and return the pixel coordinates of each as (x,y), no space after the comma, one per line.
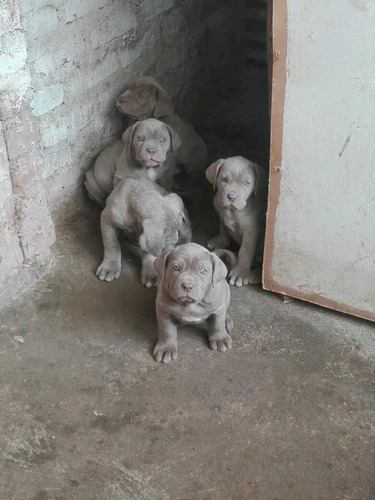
(141,88)
(237,169)
(152,129)
(192,258)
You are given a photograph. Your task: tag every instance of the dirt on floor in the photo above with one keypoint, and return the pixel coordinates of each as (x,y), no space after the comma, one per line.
(86,412)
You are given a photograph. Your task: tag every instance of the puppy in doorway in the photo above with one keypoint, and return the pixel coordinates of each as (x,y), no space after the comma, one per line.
(240,204)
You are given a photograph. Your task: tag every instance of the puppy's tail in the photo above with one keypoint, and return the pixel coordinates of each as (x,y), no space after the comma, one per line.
(229,258)
(95,192)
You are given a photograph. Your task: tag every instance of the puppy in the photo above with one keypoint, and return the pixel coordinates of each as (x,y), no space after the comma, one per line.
(146,98)
(240,204)
(191,289)
(145,150)
(152,219)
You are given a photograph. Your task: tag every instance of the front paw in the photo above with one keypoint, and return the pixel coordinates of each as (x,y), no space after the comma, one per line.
(222,344)
(149,279)
(164,353)
(218,241)
(239,277)
(108,270)
(148,273)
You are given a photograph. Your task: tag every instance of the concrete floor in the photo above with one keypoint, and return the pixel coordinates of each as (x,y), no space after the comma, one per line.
(86,413)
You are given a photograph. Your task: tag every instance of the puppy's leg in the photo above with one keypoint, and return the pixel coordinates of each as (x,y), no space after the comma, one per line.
(94,191)
(221,240)
(165,349)
(110,268)
(184,234)
(148,273)
(242,274)
(218,337)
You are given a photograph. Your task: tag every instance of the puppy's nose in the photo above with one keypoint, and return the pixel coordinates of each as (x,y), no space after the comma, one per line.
(150,150)
(186,286)
(231,196)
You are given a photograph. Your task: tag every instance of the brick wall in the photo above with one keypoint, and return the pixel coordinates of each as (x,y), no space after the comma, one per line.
(63,63)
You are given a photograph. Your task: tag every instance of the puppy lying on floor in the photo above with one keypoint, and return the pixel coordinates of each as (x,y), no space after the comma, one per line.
(240,204)
(145,150)
(146,98)
(191,289)
(152,219)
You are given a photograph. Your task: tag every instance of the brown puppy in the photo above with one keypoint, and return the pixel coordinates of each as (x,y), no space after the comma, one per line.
(145,98)
(145,151)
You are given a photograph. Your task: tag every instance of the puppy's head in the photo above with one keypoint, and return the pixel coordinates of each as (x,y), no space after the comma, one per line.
(145,98)
(149,142)
(160,231)
(236,180)
(187,272)
(156,235)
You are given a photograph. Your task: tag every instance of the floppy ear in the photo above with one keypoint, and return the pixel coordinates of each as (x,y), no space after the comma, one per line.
(164,104)
(260,180)
(175,139)
(151,240)
(213,171)
(160,264)
(127,136)
(219,271)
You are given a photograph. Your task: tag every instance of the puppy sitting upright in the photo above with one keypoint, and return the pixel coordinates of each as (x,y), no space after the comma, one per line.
(191,289)
(145,98)
(145,150)
(240,204)
(151,220)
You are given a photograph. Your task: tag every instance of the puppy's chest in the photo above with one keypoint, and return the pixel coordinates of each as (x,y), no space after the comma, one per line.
(230,221)
(192,313)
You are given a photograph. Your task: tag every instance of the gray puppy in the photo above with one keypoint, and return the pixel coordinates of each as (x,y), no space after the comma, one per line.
(145,98)
(152,219)
(240,204)
(191,289)
(145,151)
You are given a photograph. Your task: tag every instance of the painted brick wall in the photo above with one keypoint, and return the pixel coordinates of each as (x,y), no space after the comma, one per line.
(63,63)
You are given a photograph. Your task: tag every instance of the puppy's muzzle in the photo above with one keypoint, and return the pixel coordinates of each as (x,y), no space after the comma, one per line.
(232,196)
(185,290)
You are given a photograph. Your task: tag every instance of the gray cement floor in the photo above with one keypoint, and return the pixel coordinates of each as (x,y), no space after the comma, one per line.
(86,413)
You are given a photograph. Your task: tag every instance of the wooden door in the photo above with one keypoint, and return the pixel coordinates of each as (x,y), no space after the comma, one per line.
(320,237)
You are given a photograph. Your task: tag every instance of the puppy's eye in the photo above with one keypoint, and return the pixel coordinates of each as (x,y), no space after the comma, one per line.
(225,178)
(247,183)
(176,267)
(203,271)
(141,138)
(141,96)
(163,139)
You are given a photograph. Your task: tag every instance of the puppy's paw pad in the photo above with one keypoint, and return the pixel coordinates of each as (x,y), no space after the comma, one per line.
(108,272)
(164,354)
(221,345)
